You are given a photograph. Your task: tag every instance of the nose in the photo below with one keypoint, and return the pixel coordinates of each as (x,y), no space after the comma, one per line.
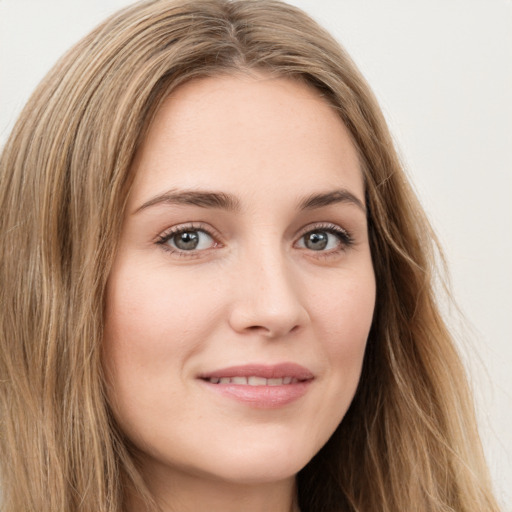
(267,299)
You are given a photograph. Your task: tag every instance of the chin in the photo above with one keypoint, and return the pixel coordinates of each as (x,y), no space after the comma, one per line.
(258,473)
(259,463)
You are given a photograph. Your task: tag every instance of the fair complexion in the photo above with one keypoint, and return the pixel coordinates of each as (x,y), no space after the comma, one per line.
(241,295)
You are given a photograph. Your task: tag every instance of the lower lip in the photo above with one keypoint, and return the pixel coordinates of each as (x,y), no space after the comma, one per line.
(262,397)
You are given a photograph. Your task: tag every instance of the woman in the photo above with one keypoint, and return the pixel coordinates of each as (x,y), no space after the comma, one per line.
(223,282)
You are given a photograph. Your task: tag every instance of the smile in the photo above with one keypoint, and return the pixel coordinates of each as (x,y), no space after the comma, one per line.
(260,386)
(253,381)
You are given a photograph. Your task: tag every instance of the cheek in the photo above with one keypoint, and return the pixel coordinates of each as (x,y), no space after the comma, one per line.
(345,306)
(152,329)
(154,314)
(342,317)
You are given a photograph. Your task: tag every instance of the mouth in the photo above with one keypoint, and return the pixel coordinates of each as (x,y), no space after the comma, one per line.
(261,386)
(253,380)
(260,375)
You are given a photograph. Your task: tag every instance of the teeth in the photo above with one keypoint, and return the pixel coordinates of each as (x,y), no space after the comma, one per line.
(253,381)
(256,381)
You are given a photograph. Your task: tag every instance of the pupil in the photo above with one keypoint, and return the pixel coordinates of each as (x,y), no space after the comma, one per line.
(187,241)
(317,241)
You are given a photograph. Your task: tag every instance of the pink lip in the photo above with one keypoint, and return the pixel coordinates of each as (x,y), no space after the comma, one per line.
(276,371)
(264,396)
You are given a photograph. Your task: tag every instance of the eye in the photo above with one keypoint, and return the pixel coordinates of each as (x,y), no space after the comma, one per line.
(325,239)
(187,240)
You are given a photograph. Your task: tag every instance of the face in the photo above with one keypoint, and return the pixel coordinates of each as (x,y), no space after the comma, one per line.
(242,293)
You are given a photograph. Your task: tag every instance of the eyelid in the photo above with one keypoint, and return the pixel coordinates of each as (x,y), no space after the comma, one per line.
(346,239)
(162,238)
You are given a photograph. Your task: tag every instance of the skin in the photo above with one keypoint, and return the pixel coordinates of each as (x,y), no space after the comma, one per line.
(255,290)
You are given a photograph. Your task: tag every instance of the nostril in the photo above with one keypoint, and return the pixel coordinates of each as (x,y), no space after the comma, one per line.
(256,328)
(269,331)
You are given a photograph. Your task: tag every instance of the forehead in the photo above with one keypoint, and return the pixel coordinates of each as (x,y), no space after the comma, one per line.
(245,133)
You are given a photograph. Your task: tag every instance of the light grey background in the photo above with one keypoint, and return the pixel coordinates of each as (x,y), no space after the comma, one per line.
(442,71)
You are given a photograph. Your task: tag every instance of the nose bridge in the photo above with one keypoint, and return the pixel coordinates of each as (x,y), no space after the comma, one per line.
(270,275)
(267,298)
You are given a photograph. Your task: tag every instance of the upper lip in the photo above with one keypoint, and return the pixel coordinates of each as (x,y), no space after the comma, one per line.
(275,371)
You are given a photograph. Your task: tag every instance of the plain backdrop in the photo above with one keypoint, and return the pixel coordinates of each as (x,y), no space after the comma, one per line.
(442,71)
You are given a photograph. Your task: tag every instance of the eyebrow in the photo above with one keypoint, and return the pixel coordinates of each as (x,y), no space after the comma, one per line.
(225,201)
(326,199)
(204,199)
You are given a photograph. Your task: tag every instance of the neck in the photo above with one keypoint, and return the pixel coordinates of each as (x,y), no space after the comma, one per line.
(193,493)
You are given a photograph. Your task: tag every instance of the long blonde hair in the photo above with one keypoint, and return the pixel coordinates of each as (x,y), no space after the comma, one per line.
(409,440)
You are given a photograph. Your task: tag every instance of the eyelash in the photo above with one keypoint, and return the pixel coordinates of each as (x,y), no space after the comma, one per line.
(176,230)
(344,237)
